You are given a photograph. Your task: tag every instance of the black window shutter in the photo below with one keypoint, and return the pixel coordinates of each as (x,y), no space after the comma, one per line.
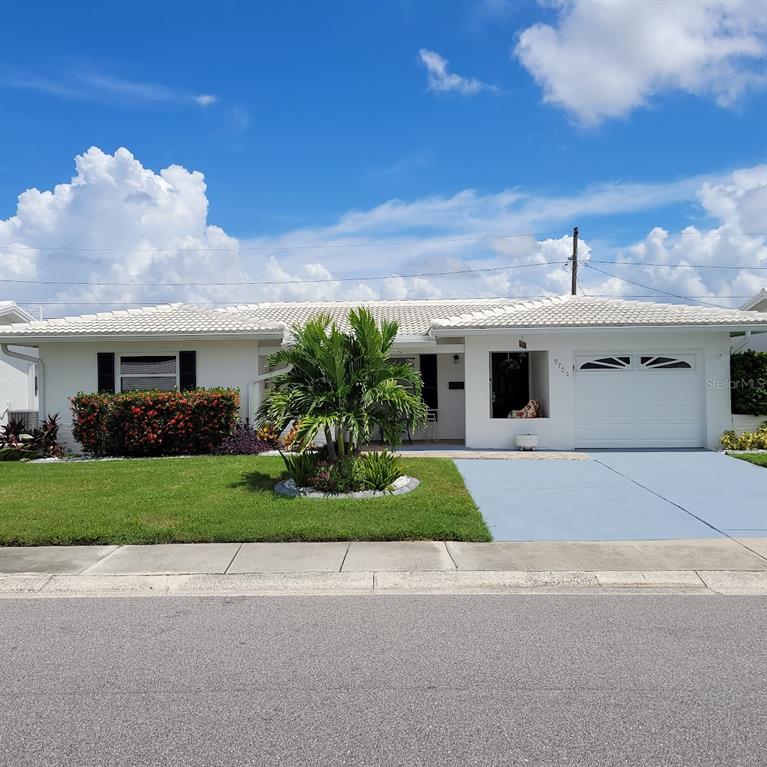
(187,377)
(106,372)
(428,365)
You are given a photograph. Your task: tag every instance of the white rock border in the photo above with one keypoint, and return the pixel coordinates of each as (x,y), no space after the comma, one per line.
(400,486)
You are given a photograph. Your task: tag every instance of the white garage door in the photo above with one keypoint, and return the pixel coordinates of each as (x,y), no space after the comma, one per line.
(639,400)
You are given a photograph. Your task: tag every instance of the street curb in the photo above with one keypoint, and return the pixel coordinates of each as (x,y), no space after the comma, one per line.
(680,582)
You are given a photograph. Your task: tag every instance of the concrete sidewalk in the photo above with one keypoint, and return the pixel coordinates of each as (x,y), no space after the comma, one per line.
(691,566)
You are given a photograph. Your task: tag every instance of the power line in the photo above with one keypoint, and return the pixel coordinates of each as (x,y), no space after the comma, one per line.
(75,302)
(278,282)
(650,287)
(370,278)
(676,266)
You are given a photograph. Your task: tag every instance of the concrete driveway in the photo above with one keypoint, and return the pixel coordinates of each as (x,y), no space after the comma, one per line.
(632,495)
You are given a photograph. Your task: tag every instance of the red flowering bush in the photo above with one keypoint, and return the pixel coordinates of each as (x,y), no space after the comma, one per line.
(154,422)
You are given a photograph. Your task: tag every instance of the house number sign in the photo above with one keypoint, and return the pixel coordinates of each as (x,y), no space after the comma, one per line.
(561,367)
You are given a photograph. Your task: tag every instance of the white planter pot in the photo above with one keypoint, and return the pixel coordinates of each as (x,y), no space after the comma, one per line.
(526,441)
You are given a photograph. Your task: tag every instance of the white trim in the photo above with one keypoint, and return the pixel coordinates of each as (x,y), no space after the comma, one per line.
(585,359)
(35,340)
(547,329)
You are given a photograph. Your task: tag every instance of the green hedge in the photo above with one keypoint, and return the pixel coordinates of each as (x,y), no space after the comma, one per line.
(748,375)
(152,423)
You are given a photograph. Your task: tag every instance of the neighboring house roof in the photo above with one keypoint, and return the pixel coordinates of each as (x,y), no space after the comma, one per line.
(415,318)
(589,312)
(758,303)
(10,313)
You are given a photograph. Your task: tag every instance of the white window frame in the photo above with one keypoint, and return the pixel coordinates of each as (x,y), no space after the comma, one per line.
(690,359)
(635,365)
(119,376)
(583,359)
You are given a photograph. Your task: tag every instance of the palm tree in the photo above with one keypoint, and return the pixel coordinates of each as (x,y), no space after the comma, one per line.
(343,385)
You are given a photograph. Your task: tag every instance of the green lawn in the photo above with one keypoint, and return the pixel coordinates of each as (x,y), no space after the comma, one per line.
(760,459)
(219,499)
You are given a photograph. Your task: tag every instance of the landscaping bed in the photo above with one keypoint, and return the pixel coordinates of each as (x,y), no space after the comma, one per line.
(220,498)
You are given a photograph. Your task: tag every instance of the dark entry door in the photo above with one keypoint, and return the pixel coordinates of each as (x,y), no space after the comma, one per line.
(510,382)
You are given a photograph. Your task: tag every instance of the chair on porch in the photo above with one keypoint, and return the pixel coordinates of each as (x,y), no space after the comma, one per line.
(432,425)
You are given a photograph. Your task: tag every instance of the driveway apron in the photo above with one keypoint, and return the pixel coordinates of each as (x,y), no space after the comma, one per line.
(574,501)
(727,493)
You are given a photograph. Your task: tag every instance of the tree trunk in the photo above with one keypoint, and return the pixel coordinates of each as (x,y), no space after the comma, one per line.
(341,445)
(330,445)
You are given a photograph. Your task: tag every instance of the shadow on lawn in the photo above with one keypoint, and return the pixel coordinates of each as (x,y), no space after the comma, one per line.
(258,481)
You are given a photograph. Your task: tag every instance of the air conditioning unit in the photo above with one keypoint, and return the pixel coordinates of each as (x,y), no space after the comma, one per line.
(30,419)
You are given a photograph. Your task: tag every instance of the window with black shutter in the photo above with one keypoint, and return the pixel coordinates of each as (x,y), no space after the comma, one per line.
(187,367)
(428,365)
(106,372)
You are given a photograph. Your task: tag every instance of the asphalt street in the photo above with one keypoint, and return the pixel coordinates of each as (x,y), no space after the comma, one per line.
(386,680)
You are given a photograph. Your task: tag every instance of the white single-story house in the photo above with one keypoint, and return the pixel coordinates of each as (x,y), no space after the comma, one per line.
(608,373)
(756,304)
(17,376)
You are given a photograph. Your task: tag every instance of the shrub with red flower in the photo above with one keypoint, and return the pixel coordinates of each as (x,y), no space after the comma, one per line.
(154,422)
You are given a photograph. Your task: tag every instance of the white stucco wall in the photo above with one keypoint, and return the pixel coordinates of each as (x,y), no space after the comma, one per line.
(72,367)
(557,431)
(452,402)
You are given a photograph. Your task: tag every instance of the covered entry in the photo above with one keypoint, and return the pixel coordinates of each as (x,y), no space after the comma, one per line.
(639,400)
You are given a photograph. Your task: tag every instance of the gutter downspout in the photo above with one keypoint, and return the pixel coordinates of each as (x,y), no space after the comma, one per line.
(40,377)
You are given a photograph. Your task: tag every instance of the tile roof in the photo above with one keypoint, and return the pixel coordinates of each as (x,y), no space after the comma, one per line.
(415,318)
(167,319)
(589,312)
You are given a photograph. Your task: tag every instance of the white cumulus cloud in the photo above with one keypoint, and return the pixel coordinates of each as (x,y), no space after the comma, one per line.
(441,80)
(605,58)
(125,231)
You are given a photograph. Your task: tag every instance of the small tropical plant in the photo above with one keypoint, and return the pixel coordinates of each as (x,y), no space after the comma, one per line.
(268,433)
(301,466)
(379,470)
(15,445)
(245,440)
(337,476)
(10,433)
(343,385)
(289,440)
(45,439)
(749,440)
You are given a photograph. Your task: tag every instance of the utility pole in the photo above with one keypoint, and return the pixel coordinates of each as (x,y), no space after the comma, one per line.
(574,259)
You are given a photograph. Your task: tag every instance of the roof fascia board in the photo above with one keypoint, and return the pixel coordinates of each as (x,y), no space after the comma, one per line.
(593,328)
(15,340)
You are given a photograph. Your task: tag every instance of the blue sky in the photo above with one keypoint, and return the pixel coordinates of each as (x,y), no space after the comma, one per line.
(298,113)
